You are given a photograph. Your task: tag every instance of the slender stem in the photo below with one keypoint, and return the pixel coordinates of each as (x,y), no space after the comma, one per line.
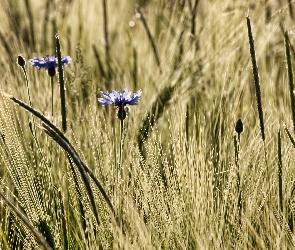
(51,80)
(154,47)
(121,145)
(31,125)
(280,172)
(61,86)
(52,92)
(237,151)
(27,83)
(106,36)
(290,76)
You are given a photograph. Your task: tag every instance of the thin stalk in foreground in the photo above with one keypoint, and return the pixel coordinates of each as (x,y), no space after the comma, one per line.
(52,88)
(239,129)
(290,76)
(106,37)
(280,173)
(151,39)
(121,147)
(22,63)
(61,86)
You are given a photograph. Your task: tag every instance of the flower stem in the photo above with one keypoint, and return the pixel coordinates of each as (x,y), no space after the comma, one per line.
(27,83)
(31,124)
(121,146)
(51,79)
(52,92)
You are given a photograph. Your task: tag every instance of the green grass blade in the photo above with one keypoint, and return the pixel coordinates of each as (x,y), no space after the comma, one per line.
(77,161)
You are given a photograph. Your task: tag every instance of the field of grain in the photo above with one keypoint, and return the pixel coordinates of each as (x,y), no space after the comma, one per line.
(204,160)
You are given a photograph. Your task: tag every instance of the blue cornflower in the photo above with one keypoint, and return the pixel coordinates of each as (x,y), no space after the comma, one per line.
(49,63)
(120,100)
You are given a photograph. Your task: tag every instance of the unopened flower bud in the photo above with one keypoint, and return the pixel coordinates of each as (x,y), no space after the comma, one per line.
(239,126)
(21,61)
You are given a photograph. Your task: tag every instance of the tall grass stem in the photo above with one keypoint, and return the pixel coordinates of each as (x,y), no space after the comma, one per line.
(150,37)
(121,147)
(290,76)
(106,36)
(31,21)
(280,172)
(52,96)
(61,85)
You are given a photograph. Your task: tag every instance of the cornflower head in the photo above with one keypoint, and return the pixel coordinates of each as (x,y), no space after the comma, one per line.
(120,100)
(49,63)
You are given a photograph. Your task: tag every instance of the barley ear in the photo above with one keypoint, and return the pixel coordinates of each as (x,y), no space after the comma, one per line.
(256,78)
(290,76)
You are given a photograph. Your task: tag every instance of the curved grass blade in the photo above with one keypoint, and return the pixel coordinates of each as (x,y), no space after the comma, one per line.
(60,135)
(77,161)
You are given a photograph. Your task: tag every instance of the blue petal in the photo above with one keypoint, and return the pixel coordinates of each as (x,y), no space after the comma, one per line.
(118,99)
(49,62)
(66,60)
(134,99)
(104,101)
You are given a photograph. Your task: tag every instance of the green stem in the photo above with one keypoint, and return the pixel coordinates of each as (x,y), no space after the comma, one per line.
(52,92)
(52,87)
(31,124)
(61,86)
(121,146)
(27,84)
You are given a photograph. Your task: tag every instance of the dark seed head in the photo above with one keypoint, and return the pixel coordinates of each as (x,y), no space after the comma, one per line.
(21,61)
(51,71)
(239,126)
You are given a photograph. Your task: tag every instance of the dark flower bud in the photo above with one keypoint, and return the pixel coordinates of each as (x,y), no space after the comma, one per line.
(121,113)
(51,71)
(21,61)
(239,126)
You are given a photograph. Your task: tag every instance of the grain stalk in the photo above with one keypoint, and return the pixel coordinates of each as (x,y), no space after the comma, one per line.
(61,85)
(37,235)
(59,137)
(150,37)
(290,76)
(280,173)
(256,79)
